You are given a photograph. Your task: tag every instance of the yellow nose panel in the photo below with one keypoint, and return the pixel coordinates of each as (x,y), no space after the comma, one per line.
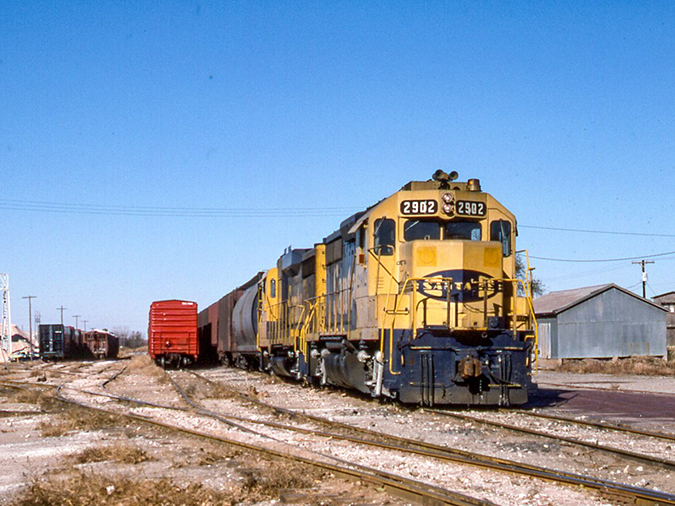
(426,257)
(491,257)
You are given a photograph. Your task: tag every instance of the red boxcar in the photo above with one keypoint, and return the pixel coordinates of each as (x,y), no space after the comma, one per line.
(172,332)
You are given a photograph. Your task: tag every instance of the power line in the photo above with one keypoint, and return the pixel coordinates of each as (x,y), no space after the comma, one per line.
(198,212)
(571,260)
(609,232)
(225,212)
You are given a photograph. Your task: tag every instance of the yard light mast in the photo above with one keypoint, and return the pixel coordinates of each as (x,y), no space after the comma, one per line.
(6,329)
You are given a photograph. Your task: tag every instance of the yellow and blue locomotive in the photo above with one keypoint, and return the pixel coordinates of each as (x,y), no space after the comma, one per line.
(413,299)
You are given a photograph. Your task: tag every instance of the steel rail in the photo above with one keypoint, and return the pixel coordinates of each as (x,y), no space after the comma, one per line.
(569,386)
(124,398)
(396,485)
(600,425)
(636,494)
(638,457)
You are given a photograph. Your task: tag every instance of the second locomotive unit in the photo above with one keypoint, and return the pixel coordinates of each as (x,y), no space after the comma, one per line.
(413,299)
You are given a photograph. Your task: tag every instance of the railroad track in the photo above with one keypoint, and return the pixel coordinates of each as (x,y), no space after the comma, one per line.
(634,495)
(599,425)
(619,493)
(631,455)
(585,386)
(409,489)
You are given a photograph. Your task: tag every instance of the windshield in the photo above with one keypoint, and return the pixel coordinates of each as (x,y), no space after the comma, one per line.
(467,230)
(432,230)
(421,229)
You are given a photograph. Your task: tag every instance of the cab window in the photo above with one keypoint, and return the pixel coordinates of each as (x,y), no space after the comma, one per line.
(385,236)
(500,230)
(465,230)
(421,229)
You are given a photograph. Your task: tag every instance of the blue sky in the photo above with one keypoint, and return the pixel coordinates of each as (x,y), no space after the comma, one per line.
(115,112)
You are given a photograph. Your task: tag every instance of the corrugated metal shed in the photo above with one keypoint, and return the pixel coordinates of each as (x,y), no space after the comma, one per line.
(667,301)
(600,321)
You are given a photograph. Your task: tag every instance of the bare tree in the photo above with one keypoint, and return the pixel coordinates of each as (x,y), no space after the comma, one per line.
(538,286)
(129,338)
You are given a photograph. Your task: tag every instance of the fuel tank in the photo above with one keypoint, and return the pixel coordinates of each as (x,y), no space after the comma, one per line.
(245,321)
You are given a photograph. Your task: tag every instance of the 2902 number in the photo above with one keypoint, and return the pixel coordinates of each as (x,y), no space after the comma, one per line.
(411,207)
(467,208)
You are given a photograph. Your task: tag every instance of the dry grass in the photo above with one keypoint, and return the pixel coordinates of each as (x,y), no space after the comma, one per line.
(74,418)
(259,486)
(143,365)
(85,489)
(124,453)
(216,391)
(42,398)
(643,366)
(34,373)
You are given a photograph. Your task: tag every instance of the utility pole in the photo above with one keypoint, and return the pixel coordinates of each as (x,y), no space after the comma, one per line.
(62,309)
(30,315)
(76,316)
(85,324)
(644,276)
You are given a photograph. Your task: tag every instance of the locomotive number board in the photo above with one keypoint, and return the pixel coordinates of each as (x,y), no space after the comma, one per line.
(467,208)
(416,207)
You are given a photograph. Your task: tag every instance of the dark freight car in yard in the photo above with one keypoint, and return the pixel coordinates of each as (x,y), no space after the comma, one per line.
(102,344)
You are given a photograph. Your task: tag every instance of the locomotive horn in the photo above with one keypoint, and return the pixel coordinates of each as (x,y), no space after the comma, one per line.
(442,177)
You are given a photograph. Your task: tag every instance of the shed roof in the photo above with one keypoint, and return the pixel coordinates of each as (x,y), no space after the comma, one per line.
(16,331)
(665,297)
(554,303)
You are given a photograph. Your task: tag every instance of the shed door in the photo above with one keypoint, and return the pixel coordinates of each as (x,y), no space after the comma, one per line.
(544,335)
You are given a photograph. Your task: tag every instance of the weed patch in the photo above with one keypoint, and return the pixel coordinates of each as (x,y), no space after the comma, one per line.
(143,365)
(124,453)
(74,418)
(85,489)
(642,366)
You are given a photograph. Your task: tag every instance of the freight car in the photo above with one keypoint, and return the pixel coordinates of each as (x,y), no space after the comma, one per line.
(101,344)
(56,341)
(172,333)
(63,342)
(60,341)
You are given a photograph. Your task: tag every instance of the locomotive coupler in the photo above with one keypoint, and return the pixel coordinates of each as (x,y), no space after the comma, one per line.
(470,367)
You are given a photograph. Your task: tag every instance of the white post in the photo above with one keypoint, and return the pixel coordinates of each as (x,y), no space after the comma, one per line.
(6,328)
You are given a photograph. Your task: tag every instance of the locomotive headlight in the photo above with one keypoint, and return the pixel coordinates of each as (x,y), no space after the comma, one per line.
(447,198)
(448,208)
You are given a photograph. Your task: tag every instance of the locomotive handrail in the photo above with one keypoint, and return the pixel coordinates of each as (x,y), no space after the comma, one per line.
(302,325)
(284,332)
(408,286)
(396,312)
(528,291)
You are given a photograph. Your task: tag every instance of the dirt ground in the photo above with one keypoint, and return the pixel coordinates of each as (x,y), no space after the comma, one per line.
(51,453)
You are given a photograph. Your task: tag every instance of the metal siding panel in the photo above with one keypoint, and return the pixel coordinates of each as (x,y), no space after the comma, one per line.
(545,333)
